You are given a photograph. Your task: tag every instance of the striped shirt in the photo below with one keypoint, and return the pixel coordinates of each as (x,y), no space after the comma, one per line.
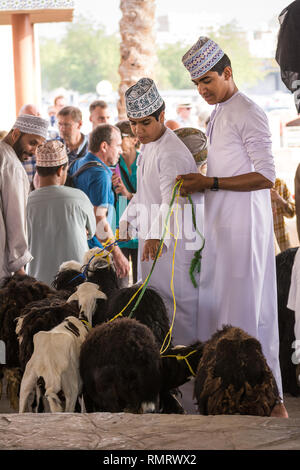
(29,167)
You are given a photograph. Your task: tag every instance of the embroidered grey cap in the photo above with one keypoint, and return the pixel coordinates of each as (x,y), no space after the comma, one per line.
(142,99)
(30,124)
(202,57)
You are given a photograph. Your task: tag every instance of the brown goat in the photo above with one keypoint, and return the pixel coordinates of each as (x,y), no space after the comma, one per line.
(233,376)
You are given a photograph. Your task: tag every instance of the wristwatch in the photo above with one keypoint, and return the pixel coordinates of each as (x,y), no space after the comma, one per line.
(215,186)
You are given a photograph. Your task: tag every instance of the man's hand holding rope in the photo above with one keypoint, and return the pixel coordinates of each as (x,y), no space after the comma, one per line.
(192,183)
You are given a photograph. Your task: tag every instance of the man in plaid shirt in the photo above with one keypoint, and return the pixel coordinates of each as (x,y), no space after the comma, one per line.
(282,206)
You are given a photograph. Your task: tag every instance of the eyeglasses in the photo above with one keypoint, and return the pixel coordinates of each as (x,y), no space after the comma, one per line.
(67,125)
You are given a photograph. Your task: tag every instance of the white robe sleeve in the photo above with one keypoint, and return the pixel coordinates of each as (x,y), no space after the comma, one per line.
(256,138)
(14,194)
(171,163)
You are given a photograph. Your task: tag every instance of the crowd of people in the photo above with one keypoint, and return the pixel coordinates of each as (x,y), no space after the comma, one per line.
(63,192)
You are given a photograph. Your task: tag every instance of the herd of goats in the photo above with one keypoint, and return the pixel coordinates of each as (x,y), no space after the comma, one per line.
(78,347)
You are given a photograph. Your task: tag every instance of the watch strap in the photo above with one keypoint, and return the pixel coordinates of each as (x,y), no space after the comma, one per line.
(215,186)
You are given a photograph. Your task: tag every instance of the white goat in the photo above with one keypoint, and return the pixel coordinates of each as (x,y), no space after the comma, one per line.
(86,295)
(55,363)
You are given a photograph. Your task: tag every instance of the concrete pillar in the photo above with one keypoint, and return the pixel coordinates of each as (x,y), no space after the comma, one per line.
(22,32)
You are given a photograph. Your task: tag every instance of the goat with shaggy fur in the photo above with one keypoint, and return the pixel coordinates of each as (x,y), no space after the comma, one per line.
(151,310)
(120,368)
(47,313)
(16,293)
(233,376)
(54,366)
(286,321)
(41,315)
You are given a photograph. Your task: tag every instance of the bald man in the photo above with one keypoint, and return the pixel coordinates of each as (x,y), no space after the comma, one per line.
(29,109)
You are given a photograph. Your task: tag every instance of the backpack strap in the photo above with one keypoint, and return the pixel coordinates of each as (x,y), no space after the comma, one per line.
(84,167)
(127,181)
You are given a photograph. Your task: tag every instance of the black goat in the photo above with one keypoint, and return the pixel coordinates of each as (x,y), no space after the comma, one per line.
(120,368)
(16,292)
(101,270)
(151,310)
(68,277)
(41,315)
(179,365)
(286,321)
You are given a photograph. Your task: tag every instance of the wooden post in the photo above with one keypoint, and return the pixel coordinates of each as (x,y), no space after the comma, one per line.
(22,31)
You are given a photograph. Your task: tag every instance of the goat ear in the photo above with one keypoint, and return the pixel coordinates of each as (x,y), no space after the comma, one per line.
(73,297)
(101,295)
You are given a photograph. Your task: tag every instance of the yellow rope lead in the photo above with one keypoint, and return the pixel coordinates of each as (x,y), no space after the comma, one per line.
(119,314)
(147,278)
(86,323)
(184,358)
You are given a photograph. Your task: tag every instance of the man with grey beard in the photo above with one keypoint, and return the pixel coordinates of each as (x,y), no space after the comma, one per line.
(18,145)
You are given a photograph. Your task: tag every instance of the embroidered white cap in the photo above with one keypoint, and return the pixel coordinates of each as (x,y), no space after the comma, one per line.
(142,99)
(202,57)
(30,124)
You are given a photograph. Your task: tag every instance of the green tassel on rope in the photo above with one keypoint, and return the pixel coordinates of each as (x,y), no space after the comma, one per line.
(195,266)
(196,261)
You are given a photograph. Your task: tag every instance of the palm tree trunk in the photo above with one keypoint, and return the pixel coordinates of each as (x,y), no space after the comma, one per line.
(137,48)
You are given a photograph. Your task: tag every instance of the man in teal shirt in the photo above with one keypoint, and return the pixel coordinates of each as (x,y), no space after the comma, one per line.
(124,182)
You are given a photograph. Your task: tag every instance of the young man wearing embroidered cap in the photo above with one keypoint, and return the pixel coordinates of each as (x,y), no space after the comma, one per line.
(163,155)
(18,145)
(238,278)
(59,218)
